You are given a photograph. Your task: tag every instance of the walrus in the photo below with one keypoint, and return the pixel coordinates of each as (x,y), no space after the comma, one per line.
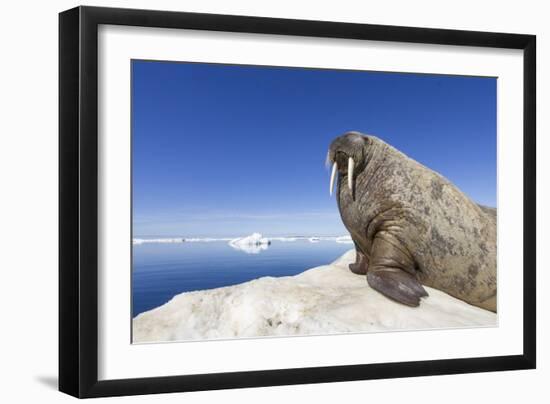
(411,226)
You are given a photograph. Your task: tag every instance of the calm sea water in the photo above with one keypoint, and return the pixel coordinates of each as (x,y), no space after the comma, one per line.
(163,270)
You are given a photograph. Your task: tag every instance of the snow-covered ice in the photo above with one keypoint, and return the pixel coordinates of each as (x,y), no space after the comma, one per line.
(328,299)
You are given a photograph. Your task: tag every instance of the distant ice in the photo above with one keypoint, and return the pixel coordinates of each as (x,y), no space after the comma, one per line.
(205,240)
(344,240)
(284,239)
(325,300)
(255,239)
(178,240)
(157,240)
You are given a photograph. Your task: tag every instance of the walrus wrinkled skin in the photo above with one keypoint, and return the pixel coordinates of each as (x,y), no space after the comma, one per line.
(411,226)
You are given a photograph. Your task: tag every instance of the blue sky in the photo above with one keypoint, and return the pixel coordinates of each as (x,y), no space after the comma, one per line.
(224,150)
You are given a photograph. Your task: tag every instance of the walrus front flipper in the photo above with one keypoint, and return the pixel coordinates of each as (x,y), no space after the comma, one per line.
(392,273)
(361,264)
(399,286)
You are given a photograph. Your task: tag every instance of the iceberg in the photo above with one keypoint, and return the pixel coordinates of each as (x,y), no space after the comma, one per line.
(253,239)
(329,299)
(253,244)
(250,248)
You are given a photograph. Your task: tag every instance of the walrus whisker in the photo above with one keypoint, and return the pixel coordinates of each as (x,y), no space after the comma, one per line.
(328,160)
(333,176)
(351,165)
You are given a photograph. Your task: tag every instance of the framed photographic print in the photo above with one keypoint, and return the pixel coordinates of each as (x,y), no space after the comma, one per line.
(250,201)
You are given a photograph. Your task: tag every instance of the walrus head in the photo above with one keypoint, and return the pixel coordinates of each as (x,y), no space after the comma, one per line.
(347,155)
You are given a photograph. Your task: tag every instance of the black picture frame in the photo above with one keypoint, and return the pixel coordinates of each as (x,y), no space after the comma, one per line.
(78,201)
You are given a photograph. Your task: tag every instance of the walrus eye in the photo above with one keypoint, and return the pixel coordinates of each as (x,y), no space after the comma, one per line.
(333,176)
(351,165)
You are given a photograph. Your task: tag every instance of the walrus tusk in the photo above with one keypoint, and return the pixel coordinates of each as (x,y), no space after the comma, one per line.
(333,176)
(351,164)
